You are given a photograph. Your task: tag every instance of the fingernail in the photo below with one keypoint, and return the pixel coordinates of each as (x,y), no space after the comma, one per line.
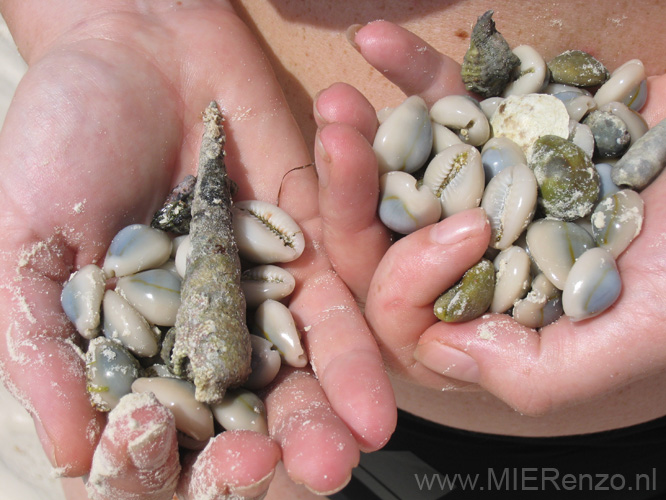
(319,119)
(254,491)
(323,161)
(447,361)
(351,35)
(459,227)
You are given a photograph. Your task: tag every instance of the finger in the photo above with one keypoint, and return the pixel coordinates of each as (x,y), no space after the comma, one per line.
(414,272)
(342,103)
(409,62)
(655,107)
(234,464)
(137,456)
(317,448)
(354,237)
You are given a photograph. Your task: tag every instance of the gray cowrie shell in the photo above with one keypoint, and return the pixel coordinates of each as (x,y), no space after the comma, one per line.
(404,139)
(135,248)
(606,184)
(533,72)
(266,362)
(154,293)
(541,306)
(81,299)
(265,282)
(192,417)
(404,207)
(593,285)
(499,153)
(241,410)
(455,176)
(622,82)
(512,278)
(463,115)
(266,234)
(510,202)
(110,372)
(634,121)
(617,220)
(275,322)
(124,324)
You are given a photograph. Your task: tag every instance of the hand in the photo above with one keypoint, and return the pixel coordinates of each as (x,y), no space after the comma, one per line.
(105,122)
(533,372)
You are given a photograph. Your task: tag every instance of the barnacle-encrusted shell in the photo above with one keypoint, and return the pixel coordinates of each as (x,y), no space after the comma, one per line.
(568,181)
(617,220)
(593,285)
(176,213)
(541,306)
(489,63)
(512,278)
(470,297)
(611,135)
(241,410)
(575,67)
(265,282)
(110,371)
(645,159)
(635,123)
(405,207)
(135,248)
(265,233)
(455,176)
(462,114)
(154,293)
(275,322)
(532,73)
(124,323)
(404,140)
(81,299)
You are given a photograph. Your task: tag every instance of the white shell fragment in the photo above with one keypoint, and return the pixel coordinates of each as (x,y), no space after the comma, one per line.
(404,139)
(192,417)
(455,176)
(275,322)
(266,362)
(110,372)
(622,83)
(265,233)
(464,116)
(581,135)
(510,202)
(404,207)
(555,245)
(154,293)
(512,278)
(265,282)
(541,306)
(182,253)
(81,299)
(525,118)
(123,323)
(135,248)
(617,220)
(593,285)
(241,410)
(533,72)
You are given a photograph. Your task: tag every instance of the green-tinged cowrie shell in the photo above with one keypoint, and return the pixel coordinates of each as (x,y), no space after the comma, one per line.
(265,233)
(510,202)
(512,278)
(462,114)
(622,83)
(81,299)
(644,161)
(593,285)
(274,322)
(611,135)
(135,248)
(470,297)
(124,324)
(541,306)
(241,410)
(405,207)
(404,140)
(568,181)
(499,153)
(455,176)
(265,282)
(154,293)
(554,245)
(192,417)
(266,362)
(525,118)
(110,372)
(617,220)
(532,72)
(575,67)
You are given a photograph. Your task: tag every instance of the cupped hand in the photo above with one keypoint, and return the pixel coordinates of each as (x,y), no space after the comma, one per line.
(534,372)
(107,120)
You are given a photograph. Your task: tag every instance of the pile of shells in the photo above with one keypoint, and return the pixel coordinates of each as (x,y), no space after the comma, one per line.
(125,311)
(556,159)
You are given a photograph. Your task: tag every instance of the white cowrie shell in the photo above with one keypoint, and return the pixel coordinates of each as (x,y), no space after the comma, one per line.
(455,176)
(541,306)
(489,106)
(182,254)
(512,278)
(275,322)
(579,106)
(462,114)
(404,139)
(404,207)
(192,417)
(593,285)
(124,323)
(154,293)
(533,72)
(622,82)
(265,233)
(442,138)
(135,248)
(266,362)
(241,410)
(617,220)
(81,299)
(265,282)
